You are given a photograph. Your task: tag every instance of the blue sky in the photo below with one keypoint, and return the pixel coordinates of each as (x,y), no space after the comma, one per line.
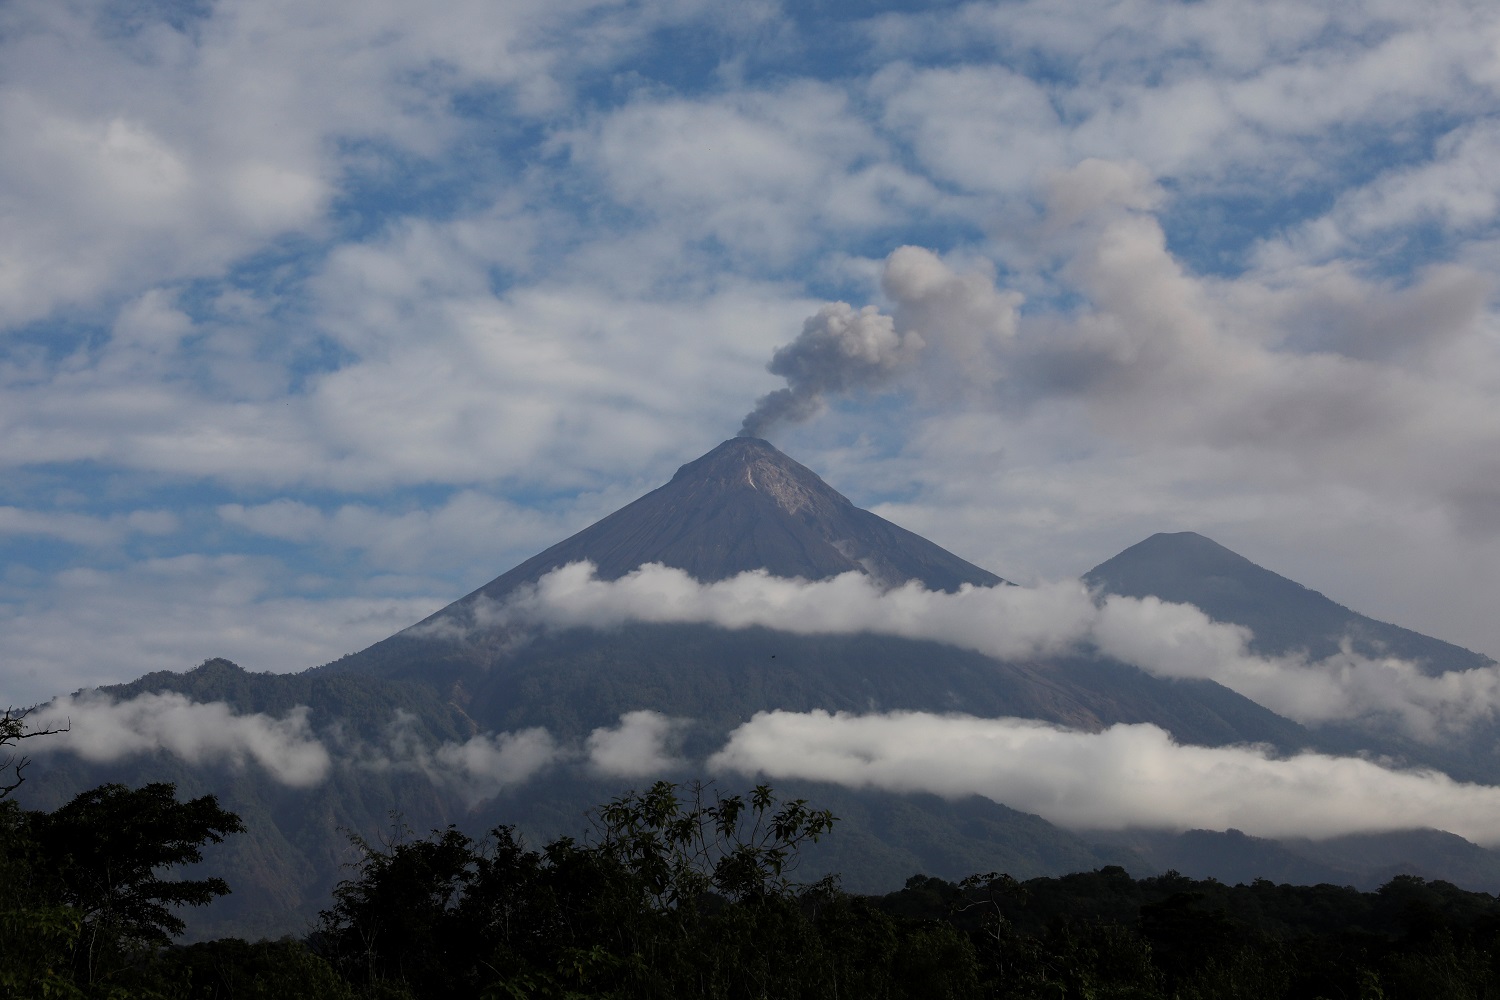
(316,315)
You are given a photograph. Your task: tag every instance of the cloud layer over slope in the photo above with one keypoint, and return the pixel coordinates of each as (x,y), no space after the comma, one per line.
(1010,623)
(1125,776)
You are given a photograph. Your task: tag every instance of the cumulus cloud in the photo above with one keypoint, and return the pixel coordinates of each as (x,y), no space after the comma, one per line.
(638,747)
(1179,640)
(177,611)
(481,767)
(556,330)
(101,729)
(470,529)
(1126,776)
(1207,92)
(1010,623)
(502,759)
(759,169)
(205,146)
(85,529)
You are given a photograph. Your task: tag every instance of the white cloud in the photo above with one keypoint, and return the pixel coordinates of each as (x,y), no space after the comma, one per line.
(545,387)
(759,171)
(1212,92)
(86,529)
(1178,640)
(985,128)
(1011,623)
(479,768)
(472,532)
(486,764)
(517,248)
(83,627)
(101,729)
(1008,622)
(158,151)
(639,747)
(1126,776)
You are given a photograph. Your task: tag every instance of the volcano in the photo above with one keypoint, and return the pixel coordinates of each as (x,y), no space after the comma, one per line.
(744,506)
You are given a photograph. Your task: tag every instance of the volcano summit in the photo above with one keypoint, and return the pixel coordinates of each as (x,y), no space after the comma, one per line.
(746,506)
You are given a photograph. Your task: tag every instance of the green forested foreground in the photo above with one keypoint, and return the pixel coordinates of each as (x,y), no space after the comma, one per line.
(680,893)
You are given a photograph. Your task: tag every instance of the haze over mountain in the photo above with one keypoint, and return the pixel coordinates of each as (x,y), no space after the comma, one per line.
(791,631)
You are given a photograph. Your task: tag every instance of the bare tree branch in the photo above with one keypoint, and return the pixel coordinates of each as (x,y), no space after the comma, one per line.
(12,731)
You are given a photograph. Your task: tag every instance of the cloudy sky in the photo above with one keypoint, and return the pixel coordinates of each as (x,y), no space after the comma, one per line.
(314,316)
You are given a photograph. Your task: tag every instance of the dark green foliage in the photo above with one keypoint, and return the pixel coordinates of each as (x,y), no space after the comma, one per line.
(82,900)
(679,894)
(231,969)
(1104,934)
(673,896)
(103,849)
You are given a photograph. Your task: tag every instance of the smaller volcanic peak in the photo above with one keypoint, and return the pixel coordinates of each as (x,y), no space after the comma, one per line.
(1284,616)
(746,506)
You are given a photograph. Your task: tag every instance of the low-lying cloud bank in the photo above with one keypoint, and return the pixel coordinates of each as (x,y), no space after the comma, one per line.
(102,729)
(1126,776)
(1010,623)
(641,745)
(479,768)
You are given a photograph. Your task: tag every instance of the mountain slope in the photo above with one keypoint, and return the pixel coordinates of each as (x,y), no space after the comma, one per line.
(742,506)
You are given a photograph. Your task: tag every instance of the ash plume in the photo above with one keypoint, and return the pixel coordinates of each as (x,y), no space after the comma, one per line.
(839,351)
(948,330)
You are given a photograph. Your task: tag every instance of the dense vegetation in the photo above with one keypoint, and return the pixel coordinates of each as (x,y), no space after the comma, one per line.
(681,893)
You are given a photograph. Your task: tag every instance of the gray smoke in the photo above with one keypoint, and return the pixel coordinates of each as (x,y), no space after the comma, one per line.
(949,332)
(839,351)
